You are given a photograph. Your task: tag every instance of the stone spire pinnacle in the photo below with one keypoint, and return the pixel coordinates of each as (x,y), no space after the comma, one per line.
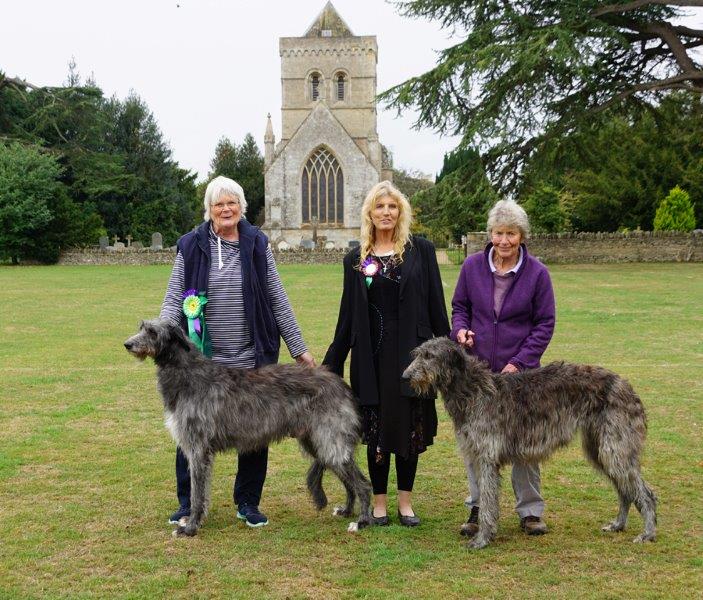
(269,137)
(328,24)
(269,141)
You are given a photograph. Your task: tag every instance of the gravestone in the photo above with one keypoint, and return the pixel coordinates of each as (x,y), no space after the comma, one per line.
(283,246)
(119,246)
(137,246)
(129,240)
(157,242)
(329,245)
(353,243)
(104,242)
(307,244)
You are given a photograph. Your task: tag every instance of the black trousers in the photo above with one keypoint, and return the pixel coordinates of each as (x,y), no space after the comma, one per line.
(405,469)
(248,484)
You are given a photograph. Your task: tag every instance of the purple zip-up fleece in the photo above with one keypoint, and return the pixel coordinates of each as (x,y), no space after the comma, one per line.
(521,332)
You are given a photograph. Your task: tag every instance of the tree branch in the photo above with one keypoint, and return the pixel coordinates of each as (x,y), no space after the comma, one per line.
(677,83)
(667,34)
(620,8)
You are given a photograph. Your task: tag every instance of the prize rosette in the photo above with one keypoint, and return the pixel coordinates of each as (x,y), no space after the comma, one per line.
(370,268)
(193,304)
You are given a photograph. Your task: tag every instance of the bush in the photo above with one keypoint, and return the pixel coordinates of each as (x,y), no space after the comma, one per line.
(547,210)
(675,213)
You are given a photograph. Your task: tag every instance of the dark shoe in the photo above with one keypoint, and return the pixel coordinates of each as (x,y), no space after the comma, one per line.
(533,525)
(412,521)
(470,528)
(252,516)
(383,521)
(183,511)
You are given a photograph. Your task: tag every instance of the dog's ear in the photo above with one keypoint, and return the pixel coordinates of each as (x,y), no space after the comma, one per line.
(456,355)
(179,337)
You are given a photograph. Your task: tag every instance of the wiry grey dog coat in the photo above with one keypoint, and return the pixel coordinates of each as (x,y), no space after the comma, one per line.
(526,416)
(210,408)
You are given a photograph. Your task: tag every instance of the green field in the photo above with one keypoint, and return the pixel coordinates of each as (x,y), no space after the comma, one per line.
(86,466)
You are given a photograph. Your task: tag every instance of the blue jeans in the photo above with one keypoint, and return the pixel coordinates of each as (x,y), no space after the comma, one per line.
(248,484)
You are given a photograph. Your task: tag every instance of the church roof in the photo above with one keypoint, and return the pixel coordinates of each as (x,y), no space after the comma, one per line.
(328,24)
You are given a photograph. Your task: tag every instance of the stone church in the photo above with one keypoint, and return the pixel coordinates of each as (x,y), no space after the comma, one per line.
(329,155)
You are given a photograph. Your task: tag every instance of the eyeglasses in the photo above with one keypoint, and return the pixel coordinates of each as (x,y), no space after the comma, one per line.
(230,204)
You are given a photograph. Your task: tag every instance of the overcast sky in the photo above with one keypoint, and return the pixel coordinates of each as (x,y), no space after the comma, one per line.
(208,68)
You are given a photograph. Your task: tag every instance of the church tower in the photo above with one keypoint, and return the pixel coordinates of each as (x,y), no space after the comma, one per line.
(329,155)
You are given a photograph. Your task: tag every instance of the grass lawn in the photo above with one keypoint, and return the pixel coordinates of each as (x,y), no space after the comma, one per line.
(86,466)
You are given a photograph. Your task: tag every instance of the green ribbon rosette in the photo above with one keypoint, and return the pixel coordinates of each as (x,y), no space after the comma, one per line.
(193,304)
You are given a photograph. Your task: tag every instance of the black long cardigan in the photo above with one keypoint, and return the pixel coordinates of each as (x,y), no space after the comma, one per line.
(422,315)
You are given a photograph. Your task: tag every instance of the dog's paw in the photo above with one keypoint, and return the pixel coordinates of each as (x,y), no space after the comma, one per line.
(183,521)
(182,531)
(614,526)
(645,537)
(478,542)
(340,511)
(353,527)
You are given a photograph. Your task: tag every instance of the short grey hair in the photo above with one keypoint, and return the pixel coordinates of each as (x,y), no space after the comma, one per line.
(508,213)
(222,186)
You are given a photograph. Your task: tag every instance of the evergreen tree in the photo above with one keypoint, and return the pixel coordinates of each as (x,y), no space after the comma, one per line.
(410,182)
(37,217)
(546,210)
(614,171)
(245,165)
(458,203)
(525,73)
(675,213)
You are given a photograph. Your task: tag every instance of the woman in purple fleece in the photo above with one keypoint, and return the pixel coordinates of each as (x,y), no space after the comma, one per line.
(503,312)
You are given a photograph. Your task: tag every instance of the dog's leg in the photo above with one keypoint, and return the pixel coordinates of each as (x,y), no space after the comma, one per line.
(621,520)
(200,473)
(314,481)
(489,484)
(590,438)
(346,476)
(646,503)
(356,485)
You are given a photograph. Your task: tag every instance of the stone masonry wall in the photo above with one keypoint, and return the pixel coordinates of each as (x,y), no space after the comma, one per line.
(95,256)
(560,248)
(635,246)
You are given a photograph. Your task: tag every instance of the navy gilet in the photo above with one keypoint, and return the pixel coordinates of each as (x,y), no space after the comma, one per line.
(195,249)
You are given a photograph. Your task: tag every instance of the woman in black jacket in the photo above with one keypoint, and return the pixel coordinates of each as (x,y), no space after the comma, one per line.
(392,301)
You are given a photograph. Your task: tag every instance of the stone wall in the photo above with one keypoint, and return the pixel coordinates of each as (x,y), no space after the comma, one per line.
(562,248)
(128,256)
(635,246)
(95,256)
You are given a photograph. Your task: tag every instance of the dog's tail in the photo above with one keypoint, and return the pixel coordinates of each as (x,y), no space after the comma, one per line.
(314,481)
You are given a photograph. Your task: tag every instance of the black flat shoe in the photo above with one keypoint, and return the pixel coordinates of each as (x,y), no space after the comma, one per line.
(383,521)
(412,521)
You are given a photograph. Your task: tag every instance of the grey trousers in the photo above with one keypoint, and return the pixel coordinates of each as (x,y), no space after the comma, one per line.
(526,485)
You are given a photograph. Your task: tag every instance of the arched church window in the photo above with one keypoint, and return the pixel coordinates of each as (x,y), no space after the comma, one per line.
(340,86)
(315,86)
(322,189)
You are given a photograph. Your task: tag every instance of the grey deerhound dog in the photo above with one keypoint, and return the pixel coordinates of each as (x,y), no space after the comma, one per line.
(210,408)
(528,415)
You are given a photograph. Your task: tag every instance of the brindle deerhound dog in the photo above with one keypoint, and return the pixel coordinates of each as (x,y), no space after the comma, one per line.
(527,416)
(210,408)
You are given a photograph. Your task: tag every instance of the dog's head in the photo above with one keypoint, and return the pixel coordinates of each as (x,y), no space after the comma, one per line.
(434,364)
(156,338)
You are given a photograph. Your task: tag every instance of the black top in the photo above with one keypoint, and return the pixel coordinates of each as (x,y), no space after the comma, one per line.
(421,311)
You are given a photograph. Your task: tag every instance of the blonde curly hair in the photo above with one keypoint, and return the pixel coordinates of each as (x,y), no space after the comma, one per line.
(401,233)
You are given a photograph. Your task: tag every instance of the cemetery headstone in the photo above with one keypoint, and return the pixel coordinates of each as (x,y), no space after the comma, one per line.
(157,242)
